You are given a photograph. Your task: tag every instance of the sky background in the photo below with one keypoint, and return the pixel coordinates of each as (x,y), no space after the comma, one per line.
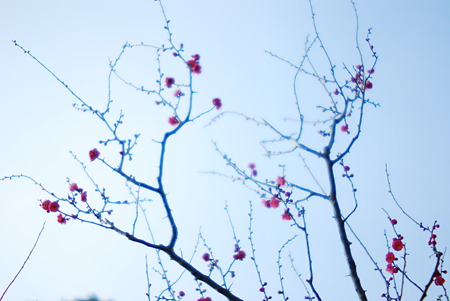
(76,39)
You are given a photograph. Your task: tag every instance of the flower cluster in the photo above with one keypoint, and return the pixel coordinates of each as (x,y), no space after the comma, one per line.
(362,83)
(397,245)
(217,102)
(240,254)
(73,187)
(252,167)
(194,64)
(391,269)
(274,202)
(50,206)
(433,236)
(212,262)
(346,173)
(277,198)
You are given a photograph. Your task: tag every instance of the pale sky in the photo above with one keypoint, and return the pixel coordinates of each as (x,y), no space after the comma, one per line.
(76,39)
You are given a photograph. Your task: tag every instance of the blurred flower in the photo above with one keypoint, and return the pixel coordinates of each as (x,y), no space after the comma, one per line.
(178,93)
(169,82)
(206,257)
(93,154)
(344,128)
(439,280)
(391,269)
(173,121)
(281,181)
(217,103)
(274,202)
(286,216)
(194,66)
(61,219)
(73,187)
(240,255)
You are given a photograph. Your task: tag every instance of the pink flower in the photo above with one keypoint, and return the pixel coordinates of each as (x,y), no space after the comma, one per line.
(274,202)
(46,205)
(196,57)
(266,203)
(206,257)
(397,244)
(286,216)
(194,66)
(369,84)
(254,172)
(93,154)
(169,82)
(53,207)
(336,92)
(181,293)
(240,255)
(178,93)
(439,280)
(390,257)
(394,221)
(391,269)
(251,165)
(217,103)
(73,187)
(61,219)
(346,168)
(344,128)
(84,196)
(173,121)
(371,71)
(281,181)
(205,299)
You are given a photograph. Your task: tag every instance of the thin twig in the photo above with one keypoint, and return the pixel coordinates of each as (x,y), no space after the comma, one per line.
(25,262)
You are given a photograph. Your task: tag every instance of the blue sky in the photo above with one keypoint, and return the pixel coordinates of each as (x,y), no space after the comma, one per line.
(75,40)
